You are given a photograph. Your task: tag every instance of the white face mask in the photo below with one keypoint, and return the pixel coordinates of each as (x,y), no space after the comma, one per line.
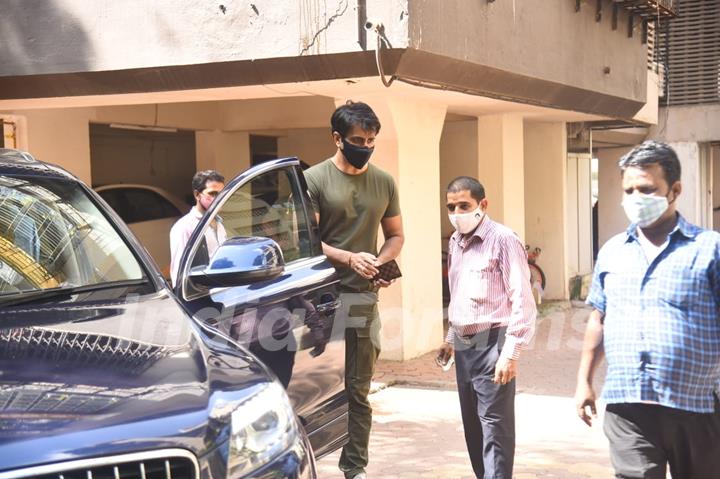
(644,210)
(467,222)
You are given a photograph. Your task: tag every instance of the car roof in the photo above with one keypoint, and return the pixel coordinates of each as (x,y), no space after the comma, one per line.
(177,202)
(16,162)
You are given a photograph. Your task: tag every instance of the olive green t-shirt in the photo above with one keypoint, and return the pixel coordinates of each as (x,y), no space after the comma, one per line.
(351,208)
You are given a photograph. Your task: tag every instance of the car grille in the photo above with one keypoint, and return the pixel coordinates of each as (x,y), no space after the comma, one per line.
(167,464)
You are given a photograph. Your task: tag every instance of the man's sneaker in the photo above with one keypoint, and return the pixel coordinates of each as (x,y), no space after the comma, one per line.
(361,475)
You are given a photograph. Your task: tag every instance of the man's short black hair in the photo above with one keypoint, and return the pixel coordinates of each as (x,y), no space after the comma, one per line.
(354,114)
(467,183)
(199,181)
(650,153)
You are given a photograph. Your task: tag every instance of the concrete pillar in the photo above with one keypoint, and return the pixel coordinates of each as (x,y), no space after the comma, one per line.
(311,145)
(408,147)
(226,152)
(61,137)
(458,143)
(545,157)
(501,168)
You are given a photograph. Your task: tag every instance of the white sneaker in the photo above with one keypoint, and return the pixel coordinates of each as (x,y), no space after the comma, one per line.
(362,475)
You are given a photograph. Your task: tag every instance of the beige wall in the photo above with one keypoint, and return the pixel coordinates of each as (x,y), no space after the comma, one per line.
(277,113)
(700,123)
(458,153)
(311,145)
(226,152)
(545,195)
(61,137)
(611,217)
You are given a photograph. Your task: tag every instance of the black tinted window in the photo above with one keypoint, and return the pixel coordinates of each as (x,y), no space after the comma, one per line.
(135,205)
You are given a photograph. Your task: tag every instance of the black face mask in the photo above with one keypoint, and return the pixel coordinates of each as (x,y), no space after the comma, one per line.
(357,156)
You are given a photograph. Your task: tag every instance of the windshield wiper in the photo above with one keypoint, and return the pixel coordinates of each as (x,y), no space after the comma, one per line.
(39,295)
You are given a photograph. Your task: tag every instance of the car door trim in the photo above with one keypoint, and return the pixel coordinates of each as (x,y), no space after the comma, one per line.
(324,277)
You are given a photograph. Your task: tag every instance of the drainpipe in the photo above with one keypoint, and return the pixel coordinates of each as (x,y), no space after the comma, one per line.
(362,19)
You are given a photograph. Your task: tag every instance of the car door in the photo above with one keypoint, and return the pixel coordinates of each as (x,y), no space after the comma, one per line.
(288,322)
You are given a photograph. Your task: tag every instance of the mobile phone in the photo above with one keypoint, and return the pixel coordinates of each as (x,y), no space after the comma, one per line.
(445,365)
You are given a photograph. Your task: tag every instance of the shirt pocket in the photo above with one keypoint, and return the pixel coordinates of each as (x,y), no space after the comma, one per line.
(684,289)
(484,281)
(621,282)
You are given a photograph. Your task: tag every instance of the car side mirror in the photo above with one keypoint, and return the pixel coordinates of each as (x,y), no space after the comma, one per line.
(241,261)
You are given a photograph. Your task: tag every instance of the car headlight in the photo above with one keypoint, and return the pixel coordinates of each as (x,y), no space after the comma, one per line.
(262,428)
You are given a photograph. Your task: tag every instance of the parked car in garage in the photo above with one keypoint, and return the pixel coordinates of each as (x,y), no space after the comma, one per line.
(107,372)
(150,212)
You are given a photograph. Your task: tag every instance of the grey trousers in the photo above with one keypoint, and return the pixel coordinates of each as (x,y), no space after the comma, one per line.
(645,438)
(488,409)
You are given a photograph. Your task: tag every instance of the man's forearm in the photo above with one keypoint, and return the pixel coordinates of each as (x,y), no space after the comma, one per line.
(337,256)
(340,257)
(391,249)
(593,350)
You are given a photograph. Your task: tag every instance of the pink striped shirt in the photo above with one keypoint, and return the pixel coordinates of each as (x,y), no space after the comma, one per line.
(490,286)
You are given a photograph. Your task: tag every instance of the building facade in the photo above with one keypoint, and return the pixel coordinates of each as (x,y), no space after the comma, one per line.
(484,88)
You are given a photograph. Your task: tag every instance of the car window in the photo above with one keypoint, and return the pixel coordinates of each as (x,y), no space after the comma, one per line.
(269,205)
(53,236)
(135,205)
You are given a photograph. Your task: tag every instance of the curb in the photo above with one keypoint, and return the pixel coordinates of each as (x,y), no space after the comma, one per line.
(420,384)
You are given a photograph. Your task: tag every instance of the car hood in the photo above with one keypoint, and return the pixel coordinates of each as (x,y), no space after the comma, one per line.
(101,379)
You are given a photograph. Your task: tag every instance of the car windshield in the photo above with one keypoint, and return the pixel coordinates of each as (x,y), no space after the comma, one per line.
(53,237)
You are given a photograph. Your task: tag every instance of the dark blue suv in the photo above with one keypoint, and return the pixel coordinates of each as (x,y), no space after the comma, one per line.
(106,372)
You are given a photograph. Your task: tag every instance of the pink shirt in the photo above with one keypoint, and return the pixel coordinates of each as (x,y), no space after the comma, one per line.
(490,286)
(180,234)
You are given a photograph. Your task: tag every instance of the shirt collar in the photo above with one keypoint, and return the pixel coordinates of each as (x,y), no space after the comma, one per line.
(480,232)
(196,214)
(483,228)
(682,227)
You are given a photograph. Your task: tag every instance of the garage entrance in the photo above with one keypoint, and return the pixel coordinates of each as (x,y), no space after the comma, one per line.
(158,157)
(144,174)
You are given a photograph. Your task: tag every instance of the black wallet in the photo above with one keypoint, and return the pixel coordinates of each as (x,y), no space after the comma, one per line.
(388,271)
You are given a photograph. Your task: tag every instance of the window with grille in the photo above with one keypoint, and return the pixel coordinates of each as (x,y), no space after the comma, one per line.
(688,50)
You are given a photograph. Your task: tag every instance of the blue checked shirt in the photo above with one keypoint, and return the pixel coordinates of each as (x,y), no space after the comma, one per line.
(662,319)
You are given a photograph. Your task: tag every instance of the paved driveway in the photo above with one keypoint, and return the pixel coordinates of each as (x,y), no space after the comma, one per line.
(417,432)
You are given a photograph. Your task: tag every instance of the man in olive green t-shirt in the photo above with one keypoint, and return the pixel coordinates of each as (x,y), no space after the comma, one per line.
(352,198)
